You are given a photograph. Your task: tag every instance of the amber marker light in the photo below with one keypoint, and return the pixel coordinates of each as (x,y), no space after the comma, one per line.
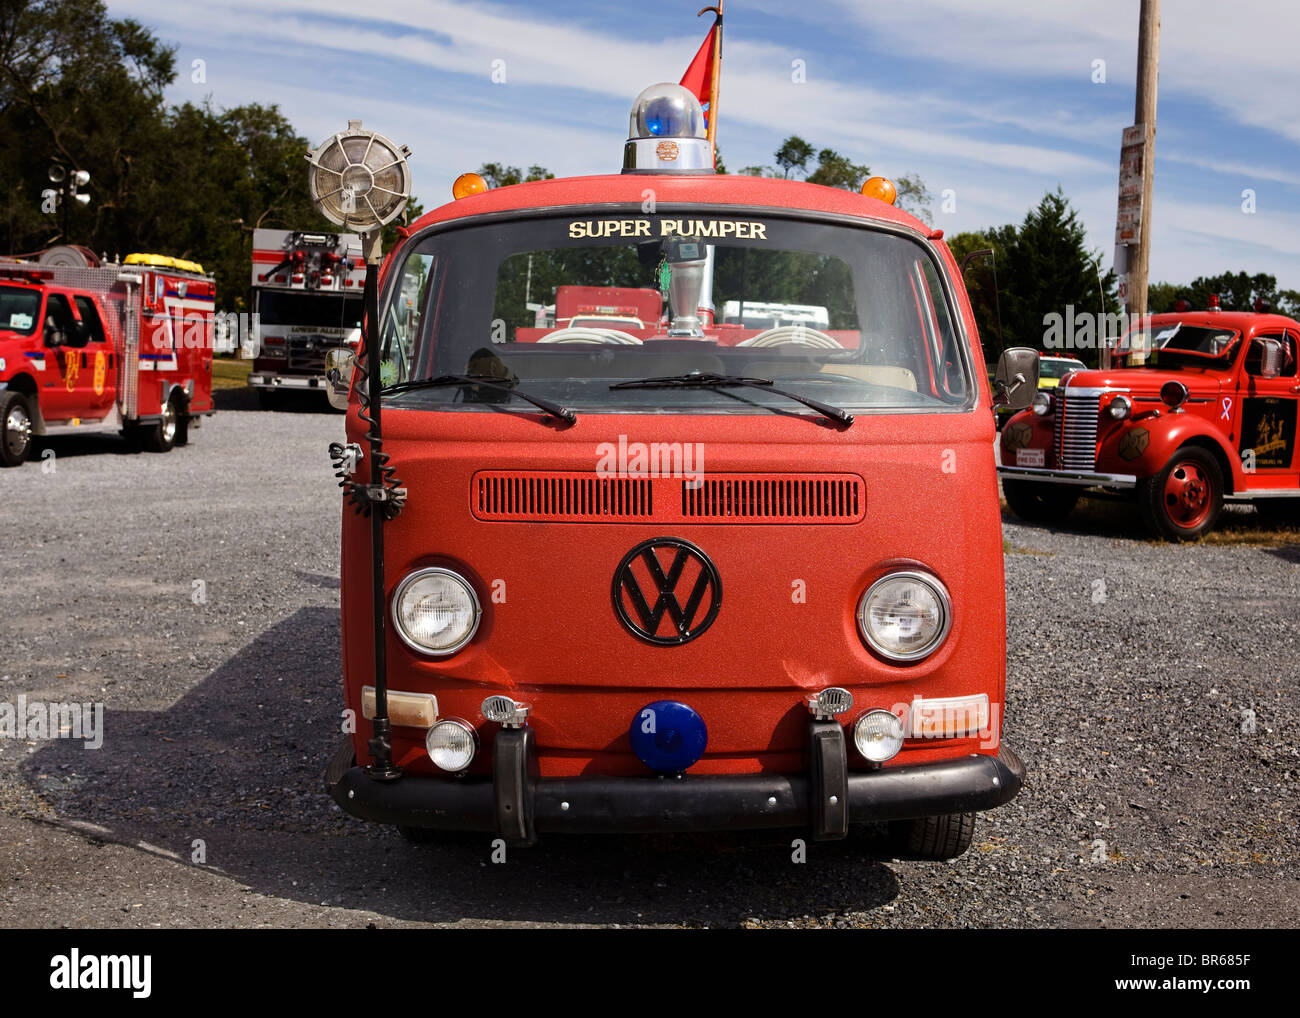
(467,184)
(881,188)
(952,717)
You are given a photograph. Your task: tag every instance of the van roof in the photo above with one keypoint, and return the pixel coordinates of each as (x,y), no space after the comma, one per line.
(743,192)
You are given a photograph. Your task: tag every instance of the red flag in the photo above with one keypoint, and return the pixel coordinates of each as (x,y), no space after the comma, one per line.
(699,76)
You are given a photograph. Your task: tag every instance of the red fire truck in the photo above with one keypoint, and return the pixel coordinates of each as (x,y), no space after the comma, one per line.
(1202,410)
(307,297)
(124,346)
(675,575)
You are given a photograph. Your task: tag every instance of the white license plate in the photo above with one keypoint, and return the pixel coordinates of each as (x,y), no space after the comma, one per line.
(1030,457)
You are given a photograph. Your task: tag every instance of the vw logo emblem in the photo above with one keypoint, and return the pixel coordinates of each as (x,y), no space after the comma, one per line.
(666,591)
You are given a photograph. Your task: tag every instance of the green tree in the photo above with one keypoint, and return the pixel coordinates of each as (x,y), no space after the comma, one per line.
(86,91)
(500,175)
(1050,271)
(983,276)
(833,169)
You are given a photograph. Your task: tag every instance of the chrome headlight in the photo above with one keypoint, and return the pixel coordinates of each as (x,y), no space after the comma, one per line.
(435,611)
(1042,403)
(451,745)
(878,735)
(905,616)
(1120,407)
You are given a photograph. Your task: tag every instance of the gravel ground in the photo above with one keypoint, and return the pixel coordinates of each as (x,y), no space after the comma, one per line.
(1153,697)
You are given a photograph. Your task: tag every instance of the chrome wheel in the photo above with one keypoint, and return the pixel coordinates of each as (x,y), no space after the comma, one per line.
(169,423)
(18,431)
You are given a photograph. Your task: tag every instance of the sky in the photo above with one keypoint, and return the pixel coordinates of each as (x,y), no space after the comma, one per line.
(991,103)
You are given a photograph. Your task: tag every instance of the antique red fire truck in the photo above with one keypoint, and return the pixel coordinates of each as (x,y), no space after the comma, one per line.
(1201,411)
(643,569)
(307,298)
(124,346)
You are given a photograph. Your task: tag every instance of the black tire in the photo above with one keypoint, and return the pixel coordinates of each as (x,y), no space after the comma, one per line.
(182,424)
(934,838)
(1182,502)
(15,428)
(161,437)
(1279,512)
(1038,502)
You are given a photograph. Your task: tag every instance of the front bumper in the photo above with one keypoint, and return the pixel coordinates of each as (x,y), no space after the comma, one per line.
(273,380)
(1083,478)
(825,799)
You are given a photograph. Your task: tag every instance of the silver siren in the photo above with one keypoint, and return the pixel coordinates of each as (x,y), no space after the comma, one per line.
(359,179)
(667,133)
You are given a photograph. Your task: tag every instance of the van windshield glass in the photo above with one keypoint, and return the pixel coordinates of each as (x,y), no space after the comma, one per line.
(567,307)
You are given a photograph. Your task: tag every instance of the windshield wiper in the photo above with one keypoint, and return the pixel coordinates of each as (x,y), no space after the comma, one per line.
(711,380)
(488,382)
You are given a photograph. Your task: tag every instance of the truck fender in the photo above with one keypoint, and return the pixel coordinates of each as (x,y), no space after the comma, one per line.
(1143,446)
(27,386)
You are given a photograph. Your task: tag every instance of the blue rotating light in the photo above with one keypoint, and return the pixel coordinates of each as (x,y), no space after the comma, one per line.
(667,736)
(663,118)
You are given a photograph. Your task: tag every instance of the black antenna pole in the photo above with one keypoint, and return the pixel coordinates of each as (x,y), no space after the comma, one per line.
(381,744)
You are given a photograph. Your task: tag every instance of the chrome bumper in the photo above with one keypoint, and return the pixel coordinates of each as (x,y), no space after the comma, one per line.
(1084,478)
(270,380)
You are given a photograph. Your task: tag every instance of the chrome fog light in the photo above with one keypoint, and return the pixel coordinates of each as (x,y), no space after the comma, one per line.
(451,745)
(878,735)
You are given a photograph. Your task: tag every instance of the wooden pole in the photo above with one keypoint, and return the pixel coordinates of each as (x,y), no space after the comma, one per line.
(1145,113)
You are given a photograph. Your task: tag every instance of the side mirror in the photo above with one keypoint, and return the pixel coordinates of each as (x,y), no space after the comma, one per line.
(1016,380)
(1270,357)
(339,364)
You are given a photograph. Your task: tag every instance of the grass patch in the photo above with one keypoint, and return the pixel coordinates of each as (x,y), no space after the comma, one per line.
(1238,524)
(1011,549)
(228,373)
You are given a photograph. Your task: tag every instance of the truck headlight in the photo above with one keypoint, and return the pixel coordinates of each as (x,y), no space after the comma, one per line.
(435,611)
(905,616)
(1120,407)
(1042,403)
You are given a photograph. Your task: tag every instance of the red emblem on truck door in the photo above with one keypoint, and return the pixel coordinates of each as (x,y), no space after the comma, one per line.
(644,593)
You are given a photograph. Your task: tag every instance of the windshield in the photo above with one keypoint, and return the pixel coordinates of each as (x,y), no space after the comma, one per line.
(1171,342)
(565,308)
(317,310)
(1053,367)
(19,309)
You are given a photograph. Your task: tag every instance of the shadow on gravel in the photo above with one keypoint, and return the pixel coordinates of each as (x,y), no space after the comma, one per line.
(1092,518)
(246,398)
(1286,552)
(237,762)
(107,442)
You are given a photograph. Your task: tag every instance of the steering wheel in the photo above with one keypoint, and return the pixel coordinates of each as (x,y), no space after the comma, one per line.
(795,335)
(591,337)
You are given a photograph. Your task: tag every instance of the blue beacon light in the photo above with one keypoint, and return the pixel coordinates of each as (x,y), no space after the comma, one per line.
(667,736)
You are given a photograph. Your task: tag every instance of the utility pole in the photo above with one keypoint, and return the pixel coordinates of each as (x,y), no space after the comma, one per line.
(1144,112)
(1137,177)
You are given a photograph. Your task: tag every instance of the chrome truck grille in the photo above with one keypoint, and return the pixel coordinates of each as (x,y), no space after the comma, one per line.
(1076,428)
